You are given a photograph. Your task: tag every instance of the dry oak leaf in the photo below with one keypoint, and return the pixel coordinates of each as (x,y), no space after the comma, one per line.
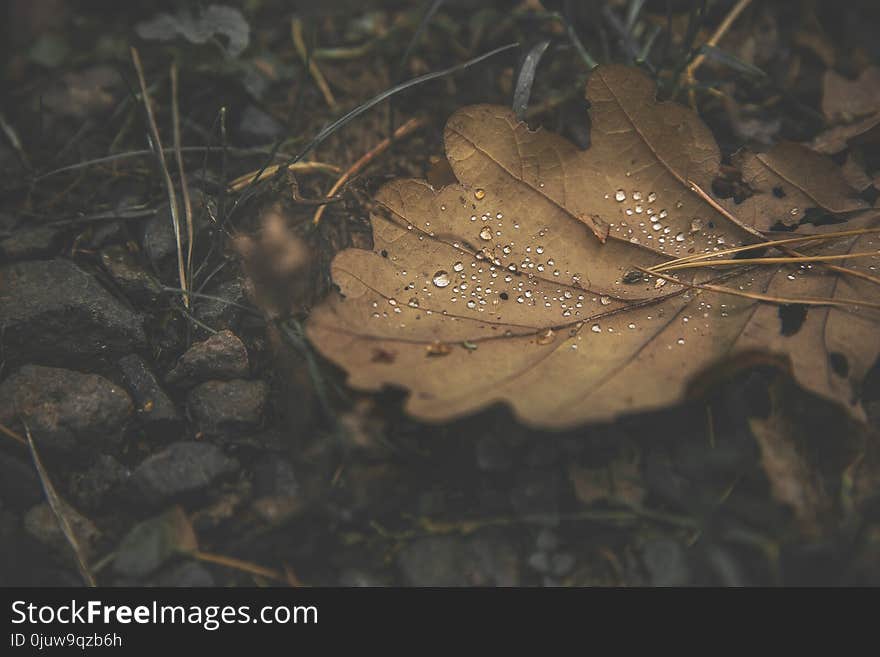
(844,100)
(523,273)
(852,108)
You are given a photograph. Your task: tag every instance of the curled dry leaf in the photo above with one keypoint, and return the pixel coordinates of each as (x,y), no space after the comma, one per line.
(274,262)
(527,269)
(788,180)
(852,108)
(835,139)
(845,100)
(794,479)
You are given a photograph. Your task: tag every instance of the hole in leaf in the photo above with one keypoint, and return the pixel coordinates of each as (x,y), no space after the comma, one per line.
(792,317)
(383,356)
(722,188)
(870,194)
(753,253)
(839,363)
(779,226)
(819,217)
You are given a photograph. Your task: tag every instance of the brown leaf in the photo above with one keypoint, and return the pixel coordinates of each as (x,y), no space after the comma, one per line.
(845,100)
(852,108)
(787,181)
(506,267)
(794,478)
(854,172)
(835,139)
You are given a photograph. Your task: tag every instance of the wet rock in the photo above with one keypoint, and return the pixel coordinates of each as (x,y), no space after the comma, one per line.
(540,561)
(273,439)
(666,563)
(189,574)
(495,561)
(355,578)
(24,561)
(727,569)
(105,234)
(64,410)
(182,467)
(26,242)
(275,476)
(547,540)
(52,312)
(154,408)
(435,561)
(42,524)
(159,243)
(228,407)
(453,561)
(257,123)
(219,312)
(222,508)
(158,240)
(153,543)
(135,282)
(19,485)
(277,490)
(222,356)
(106,475)
(562,564)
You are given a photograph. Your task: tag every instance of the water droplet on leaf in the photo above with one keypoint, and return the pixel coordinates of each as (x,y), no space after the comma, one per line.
(441,278)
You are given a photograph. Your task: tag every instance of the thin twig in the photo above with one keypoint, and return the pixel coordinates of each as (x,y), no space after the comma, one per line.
(707,258)
(297,167)
(136,212)
(727,215)
(57,507)
(239,564)
(763,245)
(314,70)
(244,152)
(15,142)
(12,434)
(771,261)
(719,33)
(410,126)
(805,301)
(333,126)
(160,155)
(184,188)
(722,210)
